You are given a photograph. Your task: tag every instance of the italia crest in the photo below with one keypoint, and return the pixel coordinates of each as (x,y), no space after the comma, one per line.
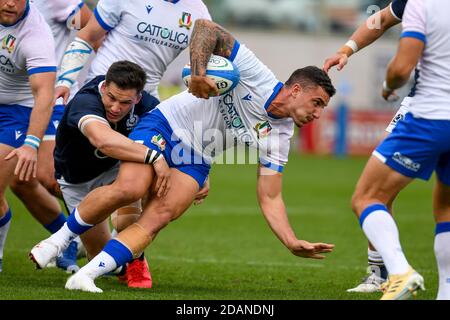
(159,141)
(8,43)
(263,129)
(185,20)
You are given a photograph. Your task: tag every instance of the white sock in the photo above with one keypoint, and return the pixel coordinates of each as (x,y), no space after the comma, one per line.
(63,237)
(382,232)
(99,265)
(442,252)
(3,233)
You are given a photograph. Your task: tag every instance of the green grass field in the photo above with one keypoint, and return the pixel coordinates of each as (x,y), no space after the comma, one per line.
(224,249)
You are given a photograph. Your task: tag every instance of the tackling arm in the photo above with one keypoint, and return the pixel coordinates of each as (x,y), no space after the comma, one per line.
(367,33)
(270,199)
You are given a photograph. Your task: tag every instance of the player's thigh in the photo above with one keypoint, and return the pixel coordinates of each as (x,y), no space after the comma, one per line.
(378,182)
(6,167)
(134,179)
(46,166)
(161,210)
(441,194)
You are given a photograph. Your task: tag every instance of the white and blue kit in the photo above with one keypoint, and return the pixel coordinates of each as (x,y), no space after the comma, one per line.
(190,131)
(397,8)
(421,143)
(27,48)
(79,166)
(151,33)
(58,14)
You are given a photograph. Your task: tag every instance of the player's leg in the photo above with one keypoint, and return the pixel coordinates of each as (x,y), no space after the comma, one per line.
(132,182)
(6,175)
(133,240)
(441,210)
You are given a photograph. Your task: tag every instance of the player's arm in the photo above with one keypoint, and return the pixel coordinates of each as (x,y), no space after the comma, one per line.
(77,55)
(79,19)
(269,186)
(366,34)
(42,85)
(207,38)
(117,146)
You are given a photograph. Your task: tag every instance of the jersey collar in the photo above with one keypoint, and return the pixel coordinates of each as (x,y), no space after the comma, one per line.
(172,1)
(25,14)
(276,90)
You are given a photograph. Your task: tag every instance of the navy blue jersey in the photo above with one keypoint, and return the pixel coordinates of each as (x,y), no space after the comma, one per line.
(398,7)
(76,159)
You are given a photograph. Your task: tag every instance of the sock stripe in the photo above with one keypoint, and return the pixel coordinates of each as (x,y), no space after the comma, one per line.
(74,225)
(442,227)
(369,210)
(6,218)
(118,251)
(56,224)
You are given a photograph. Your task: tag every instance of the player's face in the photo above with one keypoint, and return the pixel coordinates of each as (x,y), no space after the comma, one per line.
(308,104)
(118,102)
(11,11)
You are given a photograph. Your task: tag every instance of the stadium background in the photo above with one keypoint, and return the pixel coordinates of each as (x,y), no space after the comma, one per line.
(223,249)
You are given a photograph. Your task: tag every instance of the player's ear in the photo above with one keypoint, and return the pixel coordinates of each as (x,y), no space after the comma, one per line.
(296,88)
(138,98)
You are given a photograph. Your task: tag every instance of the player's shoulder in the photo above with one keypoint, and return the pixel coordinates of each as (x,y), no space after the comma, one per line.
(88,97)
(197,6)
(34,23)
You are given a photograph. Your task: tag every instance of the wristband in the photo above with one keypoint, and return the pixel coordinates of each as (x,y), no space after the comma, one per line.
(32,141)
(352,45)
(386,87)
(152,156)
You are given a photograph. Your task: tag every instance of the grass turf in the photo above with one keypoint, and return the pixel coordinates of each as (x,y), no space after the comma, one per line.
(224,249)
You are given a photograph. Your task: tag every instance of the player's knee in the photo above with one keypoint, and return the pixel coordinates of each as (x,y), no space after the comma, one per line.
(357,202)
(128,191)
(20,188)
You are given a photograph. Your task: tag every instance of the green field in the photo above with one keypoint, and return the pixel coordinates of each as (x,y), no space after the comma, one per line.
(223,249)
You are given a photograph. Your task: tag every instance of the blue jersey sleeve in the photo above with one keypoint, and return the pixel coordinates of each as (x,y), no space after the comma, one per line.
(398,8)
(82,105)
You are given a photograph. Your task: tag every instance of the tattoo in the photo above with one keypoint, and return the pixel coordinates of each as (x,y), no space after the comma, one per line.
(208,38)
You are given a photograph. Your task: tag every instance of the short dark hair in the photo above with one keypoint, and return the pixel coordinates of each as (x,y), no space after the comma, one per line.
(312,76)
(126,75)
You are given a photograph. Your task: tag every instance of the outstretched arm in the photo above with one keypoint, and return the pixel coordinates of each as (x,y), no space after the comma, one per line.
(272,205)
(207,38)
(367,33)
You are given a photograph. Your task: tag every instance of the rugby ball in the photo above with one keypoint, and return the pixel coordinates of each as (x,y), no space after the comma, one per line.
(222,71)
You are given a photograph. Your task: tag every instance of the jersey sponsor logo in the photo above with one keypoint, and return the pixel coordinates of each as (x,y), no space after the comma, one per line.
(263,129)
(159,141)
(185,20)
(233,120)
(406,162)
(18,134)
(149,9)
(6,64)
(147,31)
(8,43)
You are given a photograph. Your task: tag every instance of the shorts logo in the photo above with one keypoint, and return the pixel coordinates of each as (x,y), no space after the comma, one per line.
(263,129)
(186,20)
(18,134)
(8,43)
(397,118)
(406,162)
(159,141)
(55,124)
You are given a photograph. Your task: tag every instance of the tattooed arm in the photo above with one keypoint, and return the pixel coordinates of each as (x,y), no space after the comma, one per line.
(207,38)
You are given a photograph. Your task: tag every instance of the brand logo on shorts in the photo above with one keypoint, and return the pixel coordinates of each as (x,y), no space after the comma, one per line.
(186,20)
(18,134)
(263,129)
(55,124)
(406,162)
(159,141)
(8,43)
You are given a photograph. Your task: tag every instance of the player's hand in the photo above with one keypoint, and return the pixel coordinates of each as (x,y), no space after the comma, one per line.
(26,166)
(389,95)
(203,87)
(62,92)
(339,59)
(163,173)
(305,249)
(202,194)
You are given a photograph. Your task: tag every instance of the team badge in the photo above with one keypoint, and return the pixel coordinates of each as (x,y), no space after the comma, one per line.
(132,121)
(263,129)
(186,20)
(8,43)
(159,141)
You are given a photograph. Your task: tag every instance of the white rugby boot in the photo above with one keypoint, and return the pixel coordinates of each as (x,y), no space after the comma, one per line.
(44,253)
(370,283)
